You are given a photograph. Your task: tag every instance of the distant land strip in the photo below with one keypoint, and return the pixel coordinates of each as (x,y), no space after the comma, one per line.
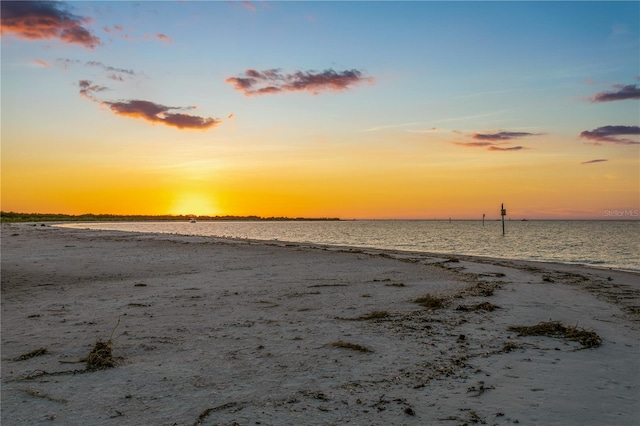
(6,217)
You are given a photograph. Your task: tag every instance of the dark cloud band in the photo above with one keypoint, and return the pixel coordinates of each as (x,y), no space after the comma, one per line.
(150,111)
(630,91)
(43,20)
(156,113)
(500,136)
(253,82)
(599,160)
(611,134)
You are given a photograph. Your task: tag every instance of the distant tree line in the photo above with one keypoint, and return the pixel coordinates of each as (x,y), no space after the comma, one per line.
(90,217)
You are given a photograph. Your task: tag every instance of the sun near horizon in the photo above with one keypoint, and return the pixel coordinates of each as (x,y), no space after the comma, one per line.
(355,110)
(194,204)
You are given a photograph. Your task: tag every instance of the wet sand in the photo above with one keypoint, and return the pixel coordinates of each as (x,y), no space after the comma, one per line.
(213,331)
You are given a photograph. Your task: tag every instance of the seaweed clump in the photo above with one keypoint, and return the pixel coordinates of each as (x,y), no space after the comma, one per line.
(37,352)
(484,306)
(375,315)
(431,302)
(588,339)
(101,356)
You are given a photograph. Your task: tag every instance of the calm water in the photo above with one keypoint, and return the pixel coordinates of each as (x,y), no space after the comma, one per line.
(607,244)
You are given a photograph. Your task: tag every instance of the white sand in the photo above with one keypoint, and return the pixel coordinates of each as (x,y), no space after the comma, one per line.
(216,331)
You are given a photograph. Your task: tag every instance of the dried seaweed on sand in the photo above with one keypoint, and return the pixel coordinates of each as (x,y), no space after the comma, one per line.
(588,339)
(352,346)
(37,352)
(101,356)
(431,302)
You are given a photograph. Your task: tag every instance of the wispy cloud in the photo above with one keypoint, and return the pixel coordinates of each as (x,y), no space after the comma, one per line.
(65,63)
(126,34)
(474,144)
(149,111)
(254,83)
(501,136)
(599,160)
(623,92)
(611,134)
(249,5)
(44,20)
(41,63)
(87,89)
(496,141)
(113,73)
(164,38)
(109,68)
(509,148)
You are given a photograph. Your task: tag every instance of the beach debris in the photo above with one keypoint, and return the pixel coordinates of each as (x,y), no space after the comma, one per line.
(101,356)
(315,395)
(588,339)
(208,411)
(431,302)
(352,346)
(481,288)
(480,389)
(382,404)
(38,394)
(375,315)
(475,417)
(509,346)
(34,353)
(484,306)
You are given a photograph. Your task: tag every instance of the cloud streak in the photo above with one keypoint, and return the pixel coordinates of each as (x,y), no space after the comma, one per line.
(500,136)
(249,5)
(599,160)
(41,62)
(87,89)
(611,134)
(495,141)
(630,91)
(149,111)
(110,68)
(44,20)
(157,113)
(509,148)
(113,73)
(474,144)
(256,83)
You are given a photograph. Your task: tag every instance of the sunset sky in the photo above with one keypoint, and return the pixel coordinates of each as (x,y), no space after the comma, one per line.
(321,109)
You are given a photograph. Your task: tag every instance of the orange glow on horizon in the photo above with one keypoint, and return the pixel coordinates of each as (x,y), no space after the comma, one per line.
(192,203)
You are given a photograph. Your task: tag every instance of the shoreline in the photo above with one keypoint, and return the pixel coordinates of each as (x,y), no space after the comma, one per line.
(216,331)
(601,266)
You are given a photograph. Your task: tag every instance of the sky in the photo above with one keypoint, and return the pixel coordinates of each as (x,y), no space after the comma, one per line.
(365,109)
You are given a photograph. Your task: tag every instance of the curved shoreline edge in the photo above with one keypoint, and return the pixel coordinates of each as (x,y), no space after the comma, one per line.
(351,248)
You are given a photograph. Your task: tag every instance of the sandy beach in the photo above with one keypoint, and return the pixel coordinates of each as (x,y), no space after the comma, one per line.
(234,332)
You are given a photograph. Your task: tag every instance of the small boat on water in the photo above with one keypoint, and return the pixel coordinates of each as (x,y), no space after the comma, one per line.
(193,220)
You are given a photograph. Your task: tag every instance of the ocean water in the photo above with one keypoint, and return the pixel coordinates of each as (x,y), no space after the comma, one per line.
(605,244)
